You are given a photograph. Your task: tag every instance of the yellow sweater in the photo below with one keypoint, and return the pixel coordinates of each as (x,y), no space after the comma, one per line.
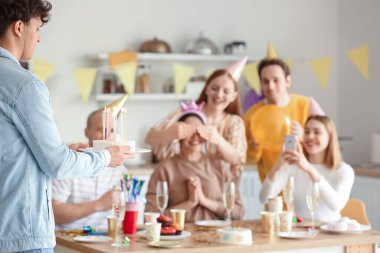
(298,109)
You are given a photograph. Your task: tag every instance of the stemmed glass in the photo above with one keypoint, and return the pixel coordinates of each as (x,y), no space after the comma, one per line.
(162,195)
(312,199)
(229,198)
(288,194)
(118,208)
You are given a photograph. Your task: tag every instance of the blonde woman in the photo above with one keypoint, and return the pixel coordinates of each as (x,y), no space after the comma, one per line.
(320,163)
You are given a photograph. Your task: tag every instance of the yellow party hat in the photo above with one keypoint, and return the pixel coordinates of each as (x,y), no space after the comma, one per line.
(271,52)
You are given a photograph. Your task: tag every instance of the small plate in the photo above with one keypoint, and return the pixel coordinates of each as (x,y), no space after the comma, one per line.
(325,228)
(166,244)
(136,151)
(212,223)
(182,236)
(297,234)
(93,238)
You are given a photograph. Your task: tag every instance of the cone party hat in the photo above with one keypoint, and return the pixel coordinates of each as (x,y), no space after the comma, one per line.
(236,68)
(271,52)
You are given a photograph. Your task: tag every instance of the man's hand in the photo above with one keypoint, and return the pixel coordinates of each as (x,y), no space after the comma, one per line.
(104,203)
(119,155)
(76,146)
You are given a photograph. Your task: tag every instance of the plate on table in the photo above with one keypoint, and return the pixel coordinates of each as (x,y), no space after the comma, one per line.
(182,236)
(136,151)
(212,223)
(325,228)
(297,234)
(166,244)
(93,238)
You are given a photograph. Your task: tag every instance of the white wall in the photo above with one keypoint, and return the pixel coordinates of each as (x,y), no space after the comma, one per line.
(300,30)
(359,101)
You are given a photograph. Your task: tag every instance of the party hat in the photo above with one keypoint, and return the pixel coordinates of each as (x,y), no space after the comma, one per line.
(236,68)
(271,52)
(117,105)
(193,108)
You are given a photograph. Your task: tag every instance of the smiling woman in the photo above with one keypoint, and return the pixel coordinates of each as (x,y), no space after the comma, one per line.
(319,164)
(225,130)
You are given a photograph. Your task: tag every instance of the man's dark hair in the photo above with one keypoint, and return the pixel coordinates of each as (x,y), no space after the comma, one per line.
(24,10)
(268,62)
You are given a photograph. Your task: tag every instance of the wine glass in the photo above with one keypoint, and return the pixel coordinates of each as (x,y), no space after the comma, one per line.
(312,199)
(229,198)
(118,208)
(162,195)
(288,194)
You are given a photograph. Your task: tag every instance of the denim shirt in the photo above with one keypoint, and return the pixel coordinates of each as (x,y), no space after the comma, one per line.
(31,154)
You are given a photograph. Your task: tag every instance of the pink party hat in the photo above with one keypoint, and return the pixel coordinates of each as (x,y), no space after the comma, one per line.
(192,108)
(237,68)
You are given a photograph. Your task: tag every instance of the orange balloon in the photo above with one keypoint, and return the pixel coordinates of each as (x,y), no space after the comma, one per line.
(269,126)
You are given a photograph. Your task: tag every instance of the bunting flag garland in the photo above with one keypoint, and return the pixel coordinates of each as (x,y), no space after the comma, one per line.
(127,74)
(182,75)
(250,74)
(359,56)
(85,80)
(42,69)
(321,69)
(116,59)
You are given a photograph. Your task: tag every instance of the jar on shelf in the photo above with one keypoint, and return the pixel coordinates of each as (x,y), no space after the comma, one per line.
(109,85)
(144,79)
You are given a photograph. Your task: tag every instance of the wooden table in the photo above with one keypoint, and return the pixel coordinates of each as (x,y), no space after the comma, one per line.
(205,241)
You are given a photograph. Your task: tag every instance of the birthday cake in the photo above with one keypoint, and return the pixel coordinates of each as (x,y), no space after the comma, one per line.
(235,236)
(103,144)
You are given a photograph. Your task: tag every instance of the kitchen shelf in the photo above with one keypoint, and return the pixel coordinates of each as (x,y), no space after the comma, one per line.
(173,57)
(145,97)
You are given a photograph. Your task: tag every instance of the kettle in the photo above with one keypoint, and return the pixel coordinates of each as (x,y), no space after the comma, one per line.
(155,46)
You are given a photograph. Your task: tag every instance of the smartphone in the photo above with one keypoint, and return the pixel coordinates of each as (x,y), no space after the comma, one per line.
(290,142)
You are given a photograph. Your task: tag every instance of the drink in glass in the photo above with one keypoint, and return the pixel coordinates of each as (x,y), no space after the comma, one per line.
(162,195)
(312,199)
(118,208)
(229,198)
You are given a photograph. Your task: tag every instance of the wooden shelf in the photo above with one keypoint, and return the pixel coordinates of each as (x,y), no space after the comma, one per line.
(146,97)
(173,57)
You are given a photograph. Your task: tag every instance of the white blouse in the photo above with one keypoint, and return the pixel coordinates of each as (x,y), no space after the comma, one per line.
(334,189)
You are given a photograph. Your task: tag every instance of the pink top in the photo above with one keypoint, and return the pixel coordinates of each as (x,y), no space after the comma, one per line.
(212,174)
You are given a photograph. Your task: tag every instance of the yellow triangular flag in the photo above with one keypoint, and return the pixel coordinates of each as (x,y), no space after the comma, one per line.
(250,74)
(115,59)
(359,56)
(271,52)
(290,63)
(42,69)
(85,80)
(182,75)
(321,68)
(127,74)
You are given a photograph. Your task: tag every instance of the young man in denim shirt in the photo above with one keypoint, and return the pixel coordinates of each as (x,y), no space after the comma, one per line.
(31,150)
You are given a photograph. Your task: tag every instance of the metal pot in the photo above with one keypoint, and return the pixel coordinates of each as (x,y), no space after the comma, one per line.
(155,46)
(202,45)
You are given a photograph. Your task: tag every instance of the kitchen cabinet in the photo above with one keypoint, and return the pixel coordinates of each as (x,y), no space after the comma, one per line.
(367,189)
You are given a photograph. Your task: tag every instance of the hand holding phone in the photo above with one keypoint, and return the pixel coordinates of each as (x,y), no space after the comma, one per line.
(290,142)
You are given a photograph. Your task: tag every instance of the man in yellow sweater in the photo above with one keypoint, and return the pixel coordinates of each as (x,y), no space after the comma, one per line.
(275,80)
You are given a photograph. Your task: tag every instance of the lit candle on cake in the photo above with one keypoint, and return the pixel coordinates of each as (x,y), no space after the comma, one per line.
(104,122)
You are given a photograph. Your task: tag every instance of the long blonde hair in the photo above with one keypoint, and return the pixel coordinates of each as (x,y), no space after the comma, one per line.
(234,106)
(333,156)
